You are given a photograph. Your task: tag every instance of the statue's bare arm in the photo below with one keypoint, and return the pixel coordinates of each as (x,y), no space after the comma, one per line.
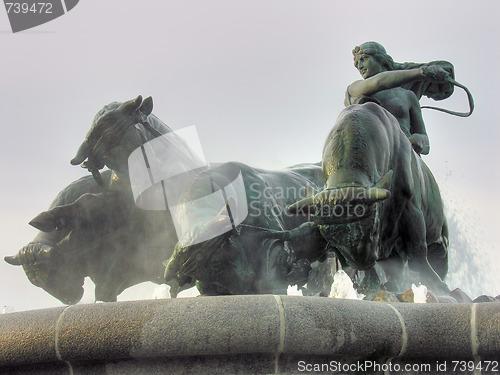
(384,81)
(418,137)
(395,78)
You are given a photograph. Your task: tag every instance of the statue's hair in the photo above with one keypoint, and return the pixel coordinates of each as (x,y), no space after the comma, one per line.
(377,51)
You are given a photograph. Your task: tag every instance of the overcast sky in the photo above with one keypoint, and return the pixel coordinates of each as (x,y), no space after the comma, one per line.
(263,82)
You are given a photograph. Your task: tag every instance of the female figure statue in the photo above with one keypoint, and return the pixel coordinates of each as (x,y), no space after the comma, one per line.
(388,84)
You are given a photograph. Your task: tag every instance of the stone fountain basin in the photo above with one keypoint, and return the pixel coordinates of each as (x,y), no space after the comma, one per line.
(256,334)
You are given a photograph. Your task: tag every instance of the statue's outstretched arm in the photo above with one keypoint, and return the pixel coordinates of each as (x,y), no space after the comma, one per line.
(384,81)
(396,78)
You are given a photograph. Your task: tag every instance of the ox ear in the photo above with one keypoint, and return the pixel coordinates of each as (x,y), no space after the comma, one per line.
(130,105)
(147,106)
(386,181)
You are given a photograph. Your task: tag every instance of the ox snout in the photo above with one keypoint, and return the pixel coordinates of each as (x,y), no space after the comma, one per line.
(357,242)
(69,291)
(56,276)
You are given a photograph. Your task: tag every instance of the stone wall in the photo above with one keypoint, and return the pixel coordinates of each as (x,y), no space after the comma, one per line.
(246,335)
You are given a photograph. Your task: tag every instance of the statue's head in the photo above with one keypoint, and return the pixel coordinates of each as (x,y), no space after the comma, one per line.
(370,58)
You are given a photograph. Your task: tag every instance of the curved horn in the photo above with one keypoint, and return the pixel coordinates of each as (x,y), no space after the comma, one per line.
(380,191)
(340,195)
(30,253)
(352,194)
(82,154)
(13,260)
(300,204)
(375,194)
(170,273)
(323,197)
(130,105)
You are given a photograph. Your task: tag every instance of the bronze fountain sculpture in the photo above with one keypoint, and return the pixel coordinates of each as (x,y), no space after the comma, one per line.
(95,229)
(369,164)
(373,203)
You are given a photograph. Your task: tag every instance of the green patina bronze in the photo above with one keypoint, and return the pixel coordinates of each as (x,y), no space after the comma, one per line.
(380,210)
(95,229)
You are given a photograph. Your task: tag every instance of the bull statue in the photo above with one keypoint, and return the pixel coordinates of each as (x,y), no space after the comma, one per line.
(117,250)
(269,250)
(95,227)
(381,205)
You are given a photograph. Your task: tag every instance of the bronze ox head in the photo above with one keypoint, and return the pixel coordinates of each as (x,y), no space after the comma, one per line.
(113,136)
(60,275)
(349,219)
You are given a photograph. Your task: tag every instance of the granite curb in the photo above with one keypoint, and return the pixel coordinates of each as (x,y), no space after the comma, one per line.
(243,334)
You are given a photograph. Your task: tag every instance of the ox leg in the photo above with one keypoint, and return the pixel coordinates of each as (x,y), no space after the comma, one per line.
(321,276)
(274,268)
(238,276)
(392,268)
(413,232)
(437,253)
(226,272)
(179,284)
(211,289)
(110,281)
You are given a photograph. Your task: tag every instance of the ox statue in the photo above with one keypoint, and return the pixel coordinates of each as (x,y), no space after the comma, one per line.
(94,227)
(117,250)
(268,251)
(381,204)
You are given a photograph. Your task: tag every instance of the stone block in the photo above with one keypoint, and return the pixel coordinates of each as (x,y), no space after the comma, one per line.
(243,364)
(437,330)
(101,331)
(488,330)
(170,327)
(340,327)
(28,336)
(212,325)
